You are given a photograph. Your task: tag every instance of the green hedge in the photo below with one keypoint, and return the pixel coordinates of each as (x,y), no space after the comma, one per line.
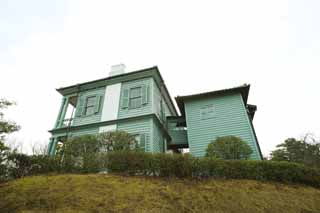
(185,166)
(165,165)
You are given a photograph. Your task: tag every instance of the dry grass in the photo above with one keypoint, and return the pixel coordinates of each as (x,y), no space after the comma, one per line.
(108,193)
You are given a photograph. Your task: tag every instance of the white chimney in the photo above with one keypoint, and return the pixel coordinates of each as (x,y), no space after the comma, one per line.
(117,69)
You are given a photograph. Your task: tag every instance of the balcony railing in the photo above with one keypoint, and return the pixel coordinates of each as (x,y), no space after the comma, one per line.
(67,122)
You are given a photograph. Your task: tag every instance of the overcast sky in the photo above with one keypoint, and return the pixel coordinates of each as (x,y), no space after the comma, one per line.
(198,46)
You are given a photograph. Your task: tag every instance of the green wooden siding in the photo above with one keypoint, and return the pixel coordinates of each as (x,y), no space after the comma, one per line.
(156,100)
(80,118)
(89,131)
(230,118)
(126,112)
(79,132)
(137,127)
(157,138)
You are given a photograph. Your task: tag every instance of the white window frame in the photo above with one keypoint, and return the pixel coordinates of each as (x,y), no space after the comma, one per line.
(135,98)
(91,105)
(207,112)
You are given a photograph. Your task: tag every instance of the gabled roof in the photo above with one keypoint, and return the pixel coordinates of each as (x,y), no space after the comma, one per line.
(138,74)
(243,90)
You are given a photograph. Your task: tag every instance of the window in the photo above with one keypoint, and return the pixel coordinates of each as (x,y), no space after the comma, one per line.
(137,138)
(90,105)
(179,128)
(206,112)
(135,98)
(140,141)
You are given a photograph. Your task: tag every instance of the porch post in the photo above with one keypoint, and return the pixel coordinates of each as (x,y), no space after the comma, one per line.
(62,112)
(53,146)
(50,145)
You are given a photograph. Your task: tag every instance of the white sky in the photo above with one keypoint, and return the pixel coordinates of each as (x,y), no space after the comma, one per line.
(198,46)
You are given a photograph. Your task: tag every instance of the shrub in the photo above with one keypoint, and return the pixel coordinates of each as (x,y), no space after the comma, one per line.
(131,162)
(78,154)
(81,154)
(18,165)
(117,140)
(43,164)
(186,166)
(306,151)
(229,147)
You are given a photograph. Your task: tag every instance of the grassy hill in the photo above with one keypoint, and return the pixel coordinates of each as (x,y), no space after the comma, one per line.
(110,193)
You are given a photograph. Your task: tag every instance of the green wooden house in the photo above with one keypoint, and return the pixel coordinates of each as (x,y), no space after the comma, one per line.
(138,102)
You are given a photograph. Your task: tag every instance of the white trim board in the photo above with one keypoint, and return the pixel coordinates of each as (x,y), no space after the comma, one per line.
(111,102)
(108,128)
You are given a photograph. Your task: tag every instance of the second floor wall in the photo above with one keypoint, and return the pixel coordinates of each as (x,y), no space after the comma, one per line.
(112,102)
(135,98)
(89,107)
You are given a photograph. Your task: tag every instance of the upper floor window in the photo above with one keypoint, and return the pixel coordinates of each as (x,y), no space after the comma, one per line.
(206,112)
(135,98)
(90,105)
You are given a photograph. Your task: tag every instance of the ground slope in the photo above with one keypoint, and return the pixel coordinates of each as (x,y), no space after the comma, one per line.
(107,193)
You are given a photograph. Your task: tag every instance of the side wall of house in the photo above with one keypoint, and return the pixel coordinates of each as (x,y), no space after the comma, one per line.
(142,127)
(113,109)
(158,103)
(157,137)
(229,118)
(157,99)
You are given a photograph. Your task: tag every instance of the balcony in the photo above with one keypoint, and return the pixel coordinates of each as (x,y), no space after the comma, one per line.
(67,112)
(178,131)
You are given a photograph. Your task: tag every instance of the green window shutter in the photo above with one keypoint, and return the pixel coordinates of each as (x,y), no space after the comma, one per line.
(144,94)
(142,141)
(125,98)
(98,103)
(80,107)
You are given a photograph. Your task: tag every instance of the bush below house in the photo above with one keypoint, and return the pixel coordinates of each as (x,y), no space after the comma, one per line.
(166,165)
(186,166)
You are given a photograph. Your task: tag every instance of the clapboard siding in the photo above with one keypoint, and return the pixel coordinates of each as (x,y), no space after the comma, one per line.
(230,118)
(90,118)
(157,97)
(144,109)
(143,126)
(89,131)
(158,139)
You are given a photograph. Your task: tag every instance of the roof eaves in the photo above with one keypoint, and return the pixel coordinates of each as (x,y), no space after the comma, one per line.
(107,78)
(77,86)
